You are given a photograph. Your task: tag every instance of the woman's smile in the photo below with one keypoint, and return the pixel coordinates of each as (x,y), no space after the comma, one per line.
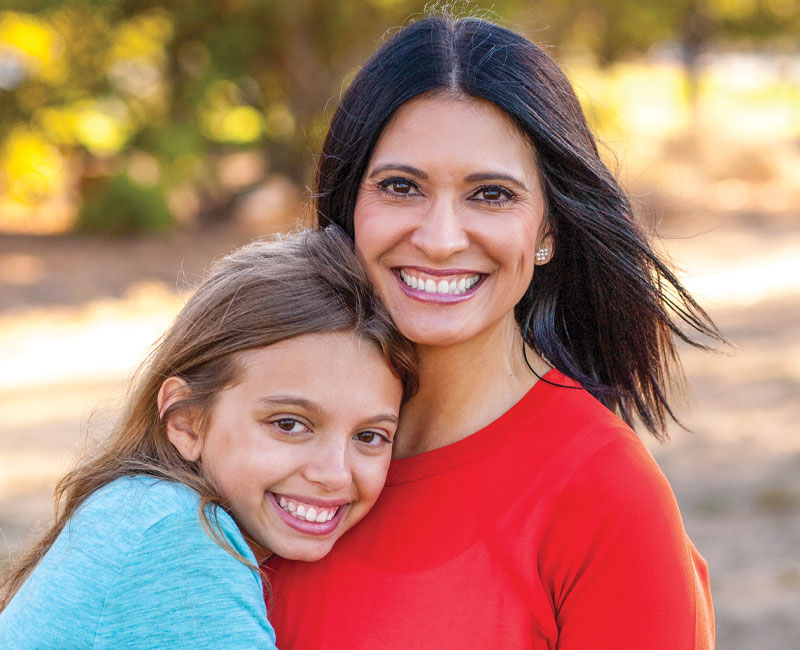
(442,286)
(448,219)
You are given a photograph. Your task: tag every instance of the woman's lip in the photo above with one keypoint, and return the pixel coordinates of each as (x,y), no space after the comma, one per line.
(308,527)
(437,272)
(436,298)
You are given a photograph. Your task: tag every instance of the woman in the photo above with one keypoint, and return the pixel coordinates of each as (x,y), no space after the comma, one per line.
(519,511)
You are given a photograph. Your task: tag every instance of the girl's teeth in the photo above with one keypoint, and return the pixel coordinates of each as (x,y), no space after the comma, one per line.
(307,512)
(454,287)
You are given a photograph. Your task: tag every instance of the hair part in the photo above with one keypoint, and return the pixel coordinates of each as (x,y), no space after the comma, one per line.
(606,308)
(263,293)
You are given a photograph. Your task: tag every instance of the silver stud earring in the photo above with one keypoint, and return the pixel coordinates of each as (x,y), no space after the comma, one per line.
(542,254)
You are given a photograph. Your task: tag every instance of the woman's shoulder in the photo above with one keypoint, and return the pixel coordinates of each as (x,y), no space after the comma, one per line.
(597,464)
(590,455)
(565,406)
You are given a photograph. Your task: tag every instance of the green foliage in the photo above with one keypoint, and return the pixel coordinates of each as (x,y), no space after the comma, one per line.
(121,206)
(184,81)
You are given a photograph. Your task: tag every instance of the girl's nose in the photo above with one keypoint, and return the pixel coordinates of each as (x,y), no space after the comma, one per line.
(329,467)
(440,234)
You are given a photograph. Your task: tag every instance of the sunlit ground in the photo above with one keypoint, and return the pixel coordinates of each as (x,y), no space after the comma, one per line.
(76,317)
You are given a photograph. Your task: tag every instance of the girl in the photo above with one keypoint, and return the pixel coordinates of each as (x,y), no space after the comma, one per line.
(262,423)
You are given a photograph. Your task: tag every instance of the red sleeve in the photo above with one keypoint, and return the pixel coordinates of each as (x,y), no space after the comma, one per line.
(622,571)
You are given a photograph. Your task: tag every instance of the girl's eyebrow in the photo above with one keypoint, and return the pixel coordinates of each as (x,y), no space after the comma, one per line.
(290,400)
(377,419)
(400,168)
(308,405)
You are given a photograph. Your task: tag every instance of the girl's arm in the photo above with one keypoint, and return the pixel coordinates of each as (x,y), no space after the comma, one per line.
(134,568)
(179,588)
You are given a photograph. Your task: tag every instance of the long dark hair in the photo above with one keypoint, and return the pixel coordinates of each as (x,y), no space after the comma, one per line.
(605,308)
(263,293)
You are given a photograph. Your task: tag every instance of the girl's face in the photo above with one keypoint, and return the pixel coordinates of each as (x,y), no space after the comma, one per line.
(448,219)
(300,446)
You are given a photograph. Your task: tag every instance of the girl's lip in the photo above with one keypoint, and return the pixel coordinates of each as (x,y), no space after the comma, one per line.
(436,298)
(308,527)
(322,503)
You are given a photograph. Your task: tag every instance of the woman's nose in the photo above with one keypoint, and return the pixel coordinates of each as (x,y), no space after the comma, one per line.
(441,233)
(329,467)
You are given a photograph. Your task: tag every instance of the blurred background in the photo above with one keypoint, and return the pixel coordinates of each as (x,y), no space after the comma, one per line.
(140,140)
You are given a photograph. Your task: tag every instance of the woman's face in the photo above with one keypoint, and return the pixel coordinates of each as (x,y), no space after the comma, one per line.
(448,219)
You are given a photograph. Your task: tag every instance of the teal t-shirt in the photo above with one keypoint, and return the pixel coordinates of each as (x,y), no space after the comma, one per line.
(134,568)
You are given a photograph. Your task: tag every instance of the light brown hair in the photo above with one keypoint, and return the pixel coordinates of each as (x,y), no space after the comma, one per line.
(263,293)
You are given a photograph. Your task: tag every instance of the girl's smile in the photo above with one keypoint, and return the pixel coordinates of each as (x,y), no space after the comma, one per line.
(296,463)
(318,518)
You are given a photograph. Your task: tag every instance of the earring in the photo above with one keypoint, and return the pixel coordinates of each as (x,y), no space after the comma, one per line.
(542,254)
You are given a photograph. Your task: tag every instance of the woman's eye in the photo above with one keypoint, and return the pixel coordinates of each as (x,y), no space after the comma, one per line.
(398,186)
(493,194)
(289,425)
(372,438)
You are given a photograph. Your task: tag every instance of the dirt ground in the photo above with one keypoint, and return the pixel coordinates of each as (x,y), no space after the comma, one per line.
(76,314)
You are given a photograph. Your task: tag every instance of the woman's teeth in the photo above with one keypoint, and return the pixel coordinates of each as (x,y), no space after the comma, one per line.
(307,512)
(428,285)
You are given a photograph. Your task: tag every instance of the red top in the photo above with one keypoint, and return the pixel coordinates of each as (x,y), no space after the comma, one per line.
(552,527)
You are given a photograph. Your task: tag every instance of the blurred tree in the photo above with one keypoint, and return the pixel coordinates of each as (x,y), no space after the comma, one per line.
(126,100)
(612,29)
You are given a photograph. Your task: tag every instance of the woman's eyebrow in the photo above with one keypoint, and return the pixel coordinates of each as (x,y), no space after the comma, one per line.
(400,168)
(494,176)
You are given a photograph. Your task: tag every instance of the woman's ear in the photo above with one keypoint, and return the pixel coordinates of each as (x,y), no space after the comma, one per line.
(180,424)
(544,251)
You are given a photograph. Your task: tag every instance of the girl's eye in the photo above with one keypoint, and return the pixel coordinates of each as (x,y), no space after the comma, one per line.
(398,187)
(372,438)
(495,194)
(290,425)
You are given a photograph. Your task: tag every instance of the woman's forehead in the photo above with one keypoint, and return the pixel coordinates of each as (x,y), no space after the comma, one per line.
(453,131)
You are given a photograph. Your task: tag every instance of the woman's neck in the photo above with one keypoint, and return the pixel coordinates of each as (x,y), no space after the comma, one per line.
(465,387)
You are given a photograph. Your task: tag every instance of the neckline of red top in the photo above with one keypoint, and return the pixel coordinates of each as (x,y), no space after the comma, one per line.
(542,396)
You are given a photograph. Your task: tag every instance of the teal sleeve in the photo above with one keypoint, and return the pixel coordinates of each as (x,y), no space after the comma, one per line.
(134,568)
(179,589)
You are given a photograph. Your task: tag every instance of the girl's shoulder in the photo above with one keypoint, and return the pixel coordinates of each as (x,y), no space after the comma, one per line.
(140,500)
(135,567)
(133,511)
